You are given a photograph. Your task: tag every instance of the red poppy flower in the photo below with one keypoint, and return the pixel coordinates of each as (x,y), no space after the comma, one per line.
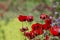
(30,35)
(54,31)
(46,26)
(47,37)
(22,18)
(26,34)
(43,16)
(30,18)
(38,32)
(48,21)
(36,26)
(24,29)
(37,29)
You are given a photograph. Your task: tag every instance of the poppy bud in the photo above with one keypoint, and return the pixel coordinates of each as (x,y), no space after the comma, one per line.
(54,31)
(24,29)
(30,18)
(43,16)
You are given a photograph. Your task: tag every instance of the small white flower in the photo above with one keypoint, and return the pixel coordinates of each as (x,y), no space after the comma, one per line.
(50,17)
(56,12)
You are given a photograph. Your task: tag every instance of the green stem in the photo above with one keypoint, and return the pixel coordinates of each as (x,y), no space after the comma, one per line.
(25,38)
(3,34)
(26,24)
(22,24)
